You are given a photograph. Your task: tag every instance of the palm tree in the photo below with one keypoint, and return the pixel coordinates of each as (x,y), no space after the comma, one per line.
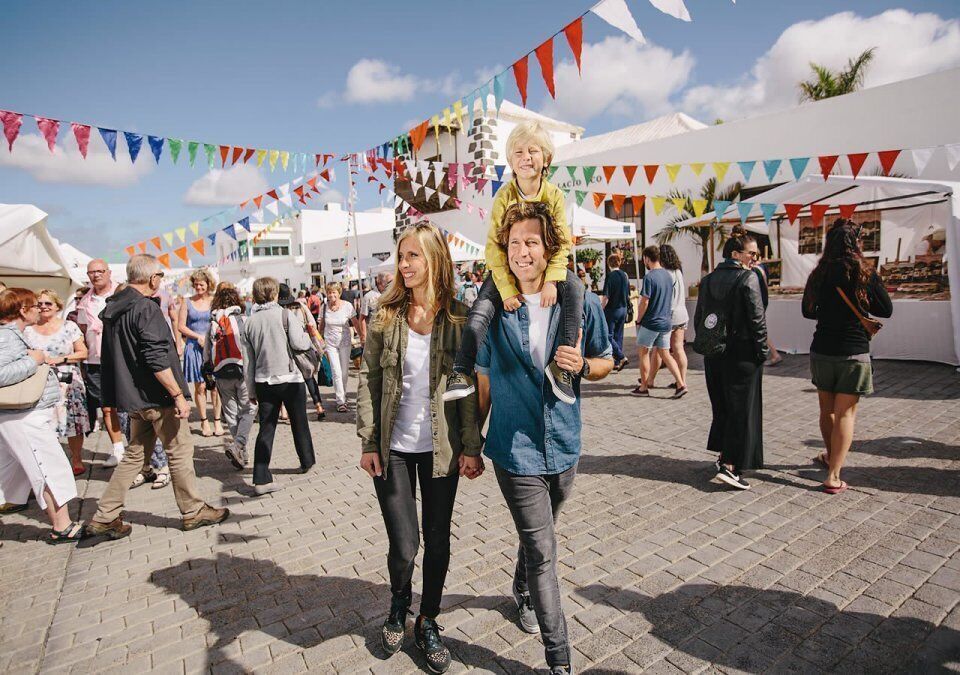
(701,232)
(828,83)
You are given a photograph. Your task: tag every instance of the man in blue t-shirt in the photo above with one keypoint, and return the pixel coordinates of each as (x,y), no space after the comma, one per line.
(653,323)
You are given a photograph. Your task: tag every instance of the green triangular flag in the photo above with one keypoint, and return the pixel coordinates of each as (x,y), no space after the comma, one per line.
(573,171)
(553,170)
(588,172)
(211,151)
(581,195)
(174,144)
(192,151)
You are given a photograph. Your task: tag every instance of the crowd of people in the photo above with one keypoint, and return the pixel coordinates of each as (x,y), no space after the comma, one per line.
(440,362)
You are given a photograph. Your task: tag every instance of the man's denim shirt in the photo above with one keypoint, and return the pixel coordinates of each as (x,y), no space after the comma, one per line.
(531,432)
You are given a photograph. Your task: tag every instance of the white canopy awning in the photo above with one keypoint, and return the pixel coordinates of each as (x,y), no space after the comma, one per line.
(29,256)
(590,226)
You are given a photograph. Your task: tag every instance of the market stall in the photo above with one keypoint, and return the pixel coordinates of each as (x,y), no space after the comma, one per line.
(29,256)
(588,227)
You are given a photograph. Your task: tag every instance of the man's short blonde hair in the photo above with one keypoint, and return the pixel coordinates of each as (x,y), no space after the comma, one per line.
(531,132)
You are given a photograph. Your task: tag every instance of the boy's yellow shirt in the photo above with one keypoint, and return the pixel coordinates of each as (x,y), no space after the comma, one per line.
(496,258)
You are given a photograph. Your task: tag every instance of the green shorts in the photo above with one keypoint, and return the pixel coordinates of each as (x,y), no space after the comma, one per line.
(840,375)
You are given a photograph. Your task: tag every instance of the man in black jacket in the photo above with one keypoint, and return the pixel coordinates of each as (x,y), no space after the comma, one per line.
(142,376)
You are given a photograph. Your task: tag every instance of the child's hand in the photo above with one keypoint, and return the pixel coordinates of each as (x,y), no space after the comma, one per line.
(548,294)
(512,304)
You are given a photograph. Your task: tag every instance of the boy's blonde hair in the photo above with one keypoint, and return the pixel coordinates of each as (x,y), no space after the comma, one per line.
(534,132)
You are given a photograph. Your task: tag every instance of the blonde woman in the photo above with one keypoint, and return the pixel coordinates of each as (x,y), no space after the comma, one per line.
(336,318)
(410,434)
(62,343)
(193,322)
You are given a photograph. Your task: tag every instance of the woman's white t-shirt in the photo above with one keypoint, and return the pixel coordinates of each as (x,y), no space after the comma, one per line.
(412,428)
(335,324)
(678,305)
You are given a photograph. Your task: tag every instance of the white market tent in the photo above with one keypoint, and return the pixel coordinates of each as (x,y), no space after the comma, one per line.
(29,256)
(590,227)
(909,209)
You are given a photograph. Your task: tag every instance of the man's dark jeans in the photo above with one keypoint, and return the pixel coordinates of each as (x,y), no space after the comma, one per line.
(535,503)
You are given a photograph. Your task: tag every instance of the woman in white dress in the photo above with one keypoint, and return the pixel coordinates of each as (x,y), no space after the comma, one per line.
(31,458)
(62,342)
(336,318)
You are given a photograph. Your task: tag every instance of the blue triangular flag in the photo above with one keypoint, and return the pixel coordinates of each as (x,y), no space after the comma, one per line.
(244,223)
(720,207)
(498,89)
(230,231)
(109,137)
(744,208)
(495,186)
(746,168)
(386,149)
(768,210)
(499,168)
(484,93)
(771,166)
(134,141)
(212,238)
(156,146)
(799,165)
(471,104)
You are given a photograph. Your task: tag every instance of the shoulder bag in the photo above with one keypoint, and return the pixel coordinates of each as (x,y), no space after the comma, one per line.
(872,326)
(24,394)
(713,330)
(307,361)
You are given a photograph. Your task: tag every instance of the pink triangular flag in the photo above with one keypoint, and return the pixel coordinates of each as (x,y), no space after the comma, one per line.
(11,125)
(82,133)
(49,128)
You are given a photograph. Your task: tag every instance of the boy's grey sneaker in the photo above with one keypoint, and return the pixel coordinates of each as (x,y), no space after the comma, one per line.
(528,617)
(458,386)
(561,382)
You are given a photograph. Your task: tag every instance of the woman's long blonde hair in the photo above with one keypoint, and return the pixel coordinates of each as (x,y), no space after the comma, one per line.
(440,286)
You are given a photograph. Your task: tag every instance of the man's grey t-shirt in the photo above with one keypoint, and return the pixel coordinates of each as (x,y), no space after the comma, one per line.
(658,287)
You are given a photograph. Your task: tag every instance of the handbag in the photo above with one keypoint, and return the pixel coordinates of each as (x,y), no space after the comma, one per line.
(872,326)
(24,394)
(324,373)
(307,361)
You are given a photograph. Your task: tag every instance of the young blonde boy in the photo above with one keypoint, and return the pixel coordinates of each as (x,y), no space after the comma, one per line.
(529,154)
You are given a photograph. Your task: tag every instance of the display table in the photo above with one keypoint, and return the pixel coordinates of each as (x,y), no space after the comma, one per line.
(919,330)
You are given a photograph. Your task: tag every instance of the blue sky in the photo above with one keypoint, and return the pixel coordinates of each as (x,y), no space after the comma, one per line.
(275,75)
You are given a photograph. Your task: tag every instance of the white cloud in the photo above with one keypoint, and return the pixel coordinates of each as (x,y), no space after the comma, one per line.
(225,187)
(908,45)
(621,77)
(330,197)
(66,165)
(376,81)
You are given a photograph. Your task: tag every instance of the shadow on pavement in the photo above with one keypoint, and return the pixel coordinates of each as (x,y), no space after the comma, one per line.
(751,630)
(236,594)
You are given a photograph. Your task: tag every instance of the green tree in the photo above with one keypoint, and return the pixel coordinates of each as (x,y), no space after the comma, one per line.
(703,231)
(827,83)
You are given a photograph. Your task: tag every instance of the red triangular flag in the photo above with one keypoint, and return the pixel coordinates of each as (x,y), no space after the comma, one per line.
(198,246)
(130,250)
(520,75)
(82,133)
(618,203)
(545,56)
(224,151)
(181,253)
(49,128)
(248,154)
(273,193)
(142,245)
(817,211)
(887,159)
(236,155)
(312,183)
(419,134)
(846,211)
(327,158)
(856,162)
(608,172)
(244,203)
(793,210)
(156,242)
(826,164)
(299,192)
(651,171)
(637,201)
(598,198)
(164,259)
(317,163)
(629,172)
(574,33)
(258,200)
(325,174)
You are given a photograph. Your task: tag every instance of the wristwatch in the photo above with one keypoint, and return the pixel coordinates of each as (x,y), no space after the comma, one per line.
(585,370)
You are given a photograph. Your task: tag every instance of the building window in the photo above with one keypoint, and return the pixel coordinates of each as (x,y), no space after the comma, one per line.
(271,248)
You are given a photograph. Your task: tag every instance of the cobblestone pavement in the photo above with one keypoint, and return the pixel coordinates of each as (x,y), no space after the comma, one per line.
(661,569)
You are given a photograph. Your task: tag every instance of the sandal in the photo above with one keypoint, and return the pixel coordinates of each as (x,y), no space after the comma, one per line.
(205,430)
(822,458)
(835,489)
(217,428)
(679,393)
(79,470)
(142,478)
(343,408)
(639,391)
(71,534)
(162,481)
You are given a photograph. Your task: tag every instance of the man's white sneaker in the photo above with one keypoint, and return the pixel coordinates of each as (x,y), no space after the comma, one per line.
(266,489)
(113,460)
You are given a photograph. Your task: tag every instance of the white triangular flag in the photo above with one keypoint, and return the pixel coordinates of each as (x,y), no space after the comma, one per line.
(287,200)
(257,216)
(443,198)
(674,8)
(617,14)
(284,189)
(411,166)
(953,155)
(428,192)
(273,208)
(921,157)
(438,167)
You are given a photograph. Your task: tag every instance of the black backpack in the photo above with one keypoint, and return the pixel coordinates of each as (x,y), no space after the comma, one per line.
(712,329)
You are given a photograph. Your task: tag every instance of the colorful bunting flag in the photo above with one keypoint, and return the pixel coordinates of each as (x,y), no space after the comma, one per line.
(182,254)
(192,151)
(49,128)
(672,171)
(720,169)
(211,151)
(156,146)
(768,210)
(130,250)
(598,198)
(274,156)
(11,126)
(744,208)
(82,133)
(580,196)
(637,201)
(545,56)
(617,14)
(887,160)
(261,154)
(771,167)
(618,203)
(224,153)
(181,233)
(156,242)
(164,259)
(195,228)
(175,144)
(746,168)
(168,237)
(846,211)
(658,204)
(857,160)
(498,90)
(699,207)
(651,171)
(284,158)
(817,211)
(629,171)
(198,246)
(248,153)
(827,163)
(680,203)
(520,75)
(574,35)
(792,210)
(608,172)
(134,142)
(798,165)
(697,168)
(237,153)
(142,245)
(720,207)
(588,172)
(921,157)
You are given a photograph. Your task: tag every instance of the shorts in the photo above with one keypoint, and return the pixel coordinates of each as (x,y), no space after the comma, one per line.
(840,375)
(679,326)
(653,338)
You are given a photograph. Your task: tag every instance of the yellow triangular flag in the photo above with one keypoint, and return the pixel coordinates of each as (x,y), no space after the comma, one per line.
(261,154)
(169,237)
(699,206)
(458,111)
(195,228)
(435,121)
(658,204)
(284,159)
(680,203)
(720,168)
(697,168)
(672,171)
(273,159)
(446,116)
(182,233)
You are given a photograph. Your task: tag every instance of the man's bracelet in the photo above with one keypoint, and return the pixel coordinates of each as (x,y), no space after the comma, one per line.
(177,395)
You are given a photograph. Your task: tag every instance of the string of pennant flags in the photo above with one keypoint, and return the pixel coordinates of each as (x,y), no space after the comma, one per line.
(226,154)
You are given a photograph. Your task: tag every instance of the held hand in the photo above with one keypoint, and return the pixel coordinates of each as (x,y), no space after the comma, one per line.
(182,406)
(548,294)
(471,467)
(512,304)
(570,358)
(370,462)
(37,355)
(202,341)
